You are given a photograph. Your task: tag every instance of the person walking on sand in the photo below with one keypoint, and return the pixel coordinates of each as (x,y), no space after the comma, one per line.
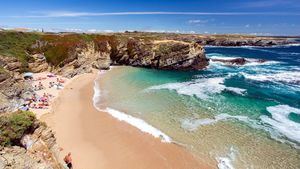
(68,160)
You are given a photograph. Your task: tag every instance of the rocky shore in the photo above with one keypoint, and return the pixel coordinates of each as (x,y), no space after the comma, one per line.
(36,148)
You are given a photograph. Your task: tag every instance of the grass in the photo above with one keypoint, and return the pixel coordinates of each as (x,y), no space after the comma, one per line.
(61,48)
(2,70)
(14,44)
(14,125)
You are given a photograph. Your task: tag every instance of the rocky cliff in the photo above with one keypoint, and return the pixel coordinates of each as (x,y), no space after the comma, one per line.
(102,51)
(221,40)
(39,151)
(13,88)
(27,143)
(164,54)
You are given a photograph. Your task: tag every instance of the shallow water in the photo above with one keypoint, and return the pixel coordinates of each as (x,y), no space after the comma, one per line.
(231,116)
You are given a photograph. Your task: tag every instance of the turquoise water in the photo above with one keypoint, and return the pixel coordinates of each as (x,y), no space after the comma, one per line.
(230,116)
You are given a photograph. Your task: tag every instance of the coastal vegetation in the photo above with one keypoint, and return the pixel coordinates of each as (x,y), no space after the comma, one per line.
(14,125)
(15,44)
(60,47)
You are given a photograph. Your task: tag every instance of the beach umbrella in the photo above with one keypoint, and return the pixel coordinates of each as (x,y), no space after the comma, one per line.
(44,99)
(28,74)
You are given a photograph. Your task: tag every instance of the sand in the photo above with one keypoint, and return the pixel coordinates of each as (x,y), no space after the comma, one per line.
(53,91)
(97,140)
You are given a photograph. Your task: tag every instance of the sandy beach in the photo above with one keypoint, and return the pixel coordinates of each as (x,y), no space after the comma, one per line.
(97,140)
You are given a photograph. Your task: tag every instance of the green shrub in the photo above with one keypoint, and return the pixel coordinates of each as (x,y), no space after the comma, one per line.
(15,44)
(14,125)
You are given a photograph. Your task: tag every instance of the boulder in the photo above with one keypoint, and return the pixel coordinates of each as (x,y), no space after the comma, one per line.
(41,145)
(38,63)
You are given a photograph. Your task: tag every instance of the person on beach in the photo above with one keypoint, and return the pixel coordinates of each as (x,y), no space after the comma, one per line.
(41,87)
(68,160)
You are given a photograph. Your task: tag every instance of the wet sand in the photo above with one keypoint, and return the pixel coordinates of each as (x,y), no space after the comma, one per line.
(97,140)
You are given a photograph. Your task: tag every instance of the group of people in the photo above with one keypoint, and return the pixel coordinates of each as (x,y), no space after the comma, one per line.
(38,87)
(58,83)
(42,102)
(37,102)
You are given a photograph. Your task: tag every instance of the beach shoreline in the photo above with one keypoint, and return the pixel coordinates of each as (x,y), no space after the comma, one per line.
(98,140)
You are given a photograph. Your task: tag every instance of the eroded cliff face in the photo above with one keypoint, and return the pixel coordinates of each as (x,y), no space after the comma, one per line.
(101,52)
(13,88)
(166,54)
(84,59)
(39,150)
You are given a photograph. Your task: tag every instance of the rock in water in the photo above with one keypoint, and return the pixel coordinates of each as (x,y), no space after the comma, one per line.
(236,61)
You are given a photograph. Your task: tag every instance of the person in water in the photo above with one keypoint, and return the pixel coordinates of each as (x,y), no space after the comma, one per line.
(68,160)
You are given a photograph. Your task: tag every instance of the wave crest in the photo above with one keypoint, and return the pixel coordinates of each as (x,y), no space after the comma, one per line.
(201,88)
(283,76)
(280,121)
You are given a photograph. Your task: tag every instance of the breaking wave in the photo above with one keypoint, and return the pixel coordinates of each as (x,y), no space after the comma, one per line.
(251,61)
(226,161)
(136,122)
(202,88)
(140,124)
(194,124)
(279,126)
(283,76)
(280,121)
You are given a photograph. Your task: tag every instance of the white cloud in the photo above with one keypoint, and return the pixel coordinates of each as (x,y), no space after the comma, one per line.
(73,30)
(247,26)
(53,14)
(198,21)
(99,31)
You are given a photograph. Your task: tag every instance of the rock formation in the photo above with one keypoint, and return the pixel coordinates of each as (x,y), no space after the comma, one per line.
(37,63)
(103,51)
(13,88)
(175,55)
(39,151)
(238,61)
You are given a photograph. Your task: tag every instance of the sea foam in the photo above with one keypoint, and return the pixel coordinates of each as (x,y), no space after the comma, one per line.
(226,162)
(139,123)
(136,122)
(202,88)
(283,76)
(281,122)
(191,125)
(194,124)
(251,61)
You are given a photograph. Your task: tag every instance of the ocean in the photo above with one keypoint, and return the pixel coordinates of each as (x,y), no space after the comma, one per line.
(230,116)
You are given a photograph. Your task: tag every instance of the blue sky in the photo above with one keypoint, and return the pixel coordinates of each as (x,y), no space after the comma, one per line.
(267,17)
